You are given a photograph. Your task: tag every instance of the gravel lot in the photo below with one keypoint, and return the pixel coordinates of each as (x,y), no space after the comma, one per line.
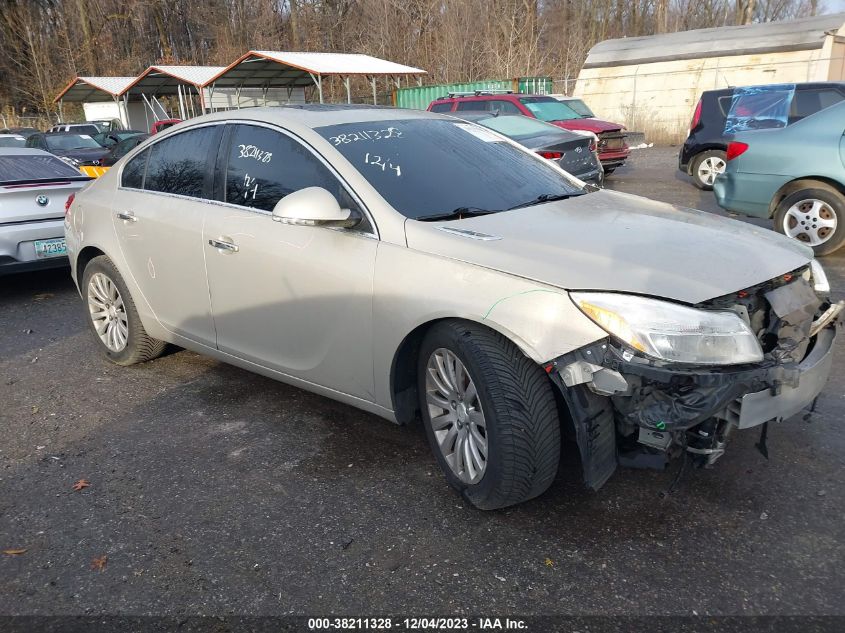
(216,491)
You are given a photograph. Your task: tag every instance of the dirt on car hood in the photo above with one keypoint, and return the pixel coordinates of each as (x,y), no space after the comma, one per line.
(617,242)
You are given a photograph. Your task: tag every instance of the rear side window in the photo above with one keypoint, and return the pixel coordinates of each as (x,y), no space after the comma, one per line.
(474,106)
(182,164)
(18,168)
(264,166)
(442,107)
(133,173)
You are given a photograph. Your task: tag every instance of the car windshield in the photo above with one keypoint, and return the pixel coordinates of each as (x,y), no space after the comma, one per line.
(12,141)
(548,109)
(71,141)
(430,167)
(17,168)
(518,127)
(580,107)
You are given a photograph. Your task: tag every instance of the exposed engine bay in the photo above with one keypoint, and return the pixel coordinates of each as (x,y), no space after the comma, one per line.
(632,410)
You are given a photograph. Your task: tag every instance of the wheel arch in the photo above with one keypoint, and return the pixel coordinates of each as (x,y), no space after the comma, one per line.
(805,182)
(703,148)
(403,368)
(82,259)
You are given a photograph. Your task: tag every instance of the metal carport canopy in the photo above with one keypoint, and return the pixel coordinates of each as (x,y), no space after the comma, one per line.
(278,69)
(90,89)
(165,81)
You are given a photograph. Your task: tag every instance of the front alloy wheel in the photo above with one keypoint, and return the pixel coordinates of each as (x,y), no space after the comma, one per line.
(489,413)
(457,419)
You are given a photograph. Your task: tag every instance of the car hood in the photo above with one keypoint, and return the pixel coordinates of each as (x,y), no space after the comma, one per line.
(591,125)
(83,153)
(617,242)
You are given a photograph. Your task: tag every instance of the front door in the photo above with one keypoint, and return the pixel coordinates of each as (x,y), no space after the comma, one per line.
(296,299)
(158,220)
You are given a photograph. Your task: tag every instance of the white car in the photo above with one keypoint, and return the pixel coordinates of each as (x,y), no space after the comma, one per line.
(412,264)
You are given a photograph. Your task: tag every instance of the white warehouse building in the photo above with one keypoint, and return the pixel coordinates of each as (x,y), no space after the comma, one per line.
(652,83)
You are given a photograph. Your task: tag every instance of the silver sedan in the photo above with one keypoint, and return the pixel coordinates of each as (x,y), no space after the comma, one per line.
(418,266)
(34,191)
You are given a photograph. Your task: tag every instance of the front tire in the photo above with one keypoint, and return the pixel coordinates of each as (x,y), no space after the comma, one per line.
(112,316)
(814,216)
(489,414)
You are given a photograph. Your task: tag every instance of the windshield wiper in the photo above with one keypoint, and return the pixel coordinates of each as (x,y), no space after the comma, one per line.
(456,214)
(547,197)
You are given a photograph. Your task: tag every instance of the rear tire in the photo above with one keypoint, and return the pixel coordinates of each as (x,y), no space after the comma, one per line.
(112,316)
(813,216)
(706,166)
(507,392)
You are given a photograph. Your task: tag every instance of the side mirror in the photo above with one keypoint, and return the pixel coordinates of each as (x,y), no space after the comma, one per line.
(313,206)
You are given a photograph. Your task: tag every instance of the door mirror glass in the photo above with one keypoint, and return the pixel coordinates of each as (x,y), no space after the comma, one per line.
(313,206)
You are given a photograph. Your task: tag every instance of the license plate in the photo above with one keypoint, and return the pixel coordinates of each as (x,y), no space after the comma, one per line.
(50,248)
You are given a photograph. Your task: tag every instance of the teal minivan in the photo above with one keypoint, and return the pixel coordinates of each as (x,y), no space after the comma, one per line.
(795,174)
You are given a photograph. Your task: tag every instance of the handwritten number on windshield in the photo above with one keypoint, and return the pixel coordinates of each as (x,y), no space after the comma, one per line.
(365,135)
(378,161)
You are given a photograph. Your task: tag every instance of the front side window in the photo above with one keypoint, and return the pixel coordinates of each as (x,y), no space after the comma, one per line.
(549,109)
(182,163)
(505,107)
(264,166)
(441,107)
(430,167)
(580,107)
(807,102)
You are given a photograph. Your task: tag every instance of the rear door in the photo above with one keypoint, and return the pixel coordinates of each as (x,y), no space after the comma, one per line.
(158,217)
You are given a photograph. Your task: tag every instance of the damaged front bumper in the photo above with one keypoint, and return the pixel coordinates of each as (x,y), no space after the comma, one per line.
(780,403)
(633,411)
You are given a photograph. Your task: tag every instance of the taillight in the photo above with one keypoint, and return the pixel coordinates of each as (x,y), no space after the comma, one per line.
(551,155)
(696,116)
(68,203)
(735,148)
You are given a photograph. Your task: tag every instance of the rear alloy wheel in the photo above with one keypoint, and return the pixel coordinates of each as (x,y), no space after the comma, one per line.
(113,317)
(706,167)
(489,414)
(814,217)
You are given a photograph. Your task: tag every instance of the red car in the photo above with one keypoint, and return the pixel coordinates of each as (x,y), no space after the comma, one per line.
(162,125)
(613,150)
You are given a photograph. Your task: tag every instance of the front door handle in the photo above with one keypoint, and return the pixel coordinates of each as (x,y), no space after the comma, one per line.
(127,216)
(223,245)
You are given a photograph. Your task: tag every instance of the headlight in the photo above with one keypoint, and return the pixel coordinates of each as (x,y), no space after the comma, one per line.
(672,332)
(820,283)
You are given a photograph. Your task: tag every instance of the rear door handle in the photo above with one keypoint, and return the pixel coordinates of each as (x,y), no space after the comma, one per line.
(127,216)
(223,245)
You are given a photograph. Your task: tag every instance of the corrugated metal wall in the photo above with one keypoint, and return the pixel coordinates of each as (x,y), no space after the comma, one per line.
(418,97)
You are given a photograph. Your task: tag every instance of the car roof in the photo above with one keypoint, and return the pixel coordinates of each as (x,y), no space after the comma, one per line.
(65,133)
(799,84)
(312,115)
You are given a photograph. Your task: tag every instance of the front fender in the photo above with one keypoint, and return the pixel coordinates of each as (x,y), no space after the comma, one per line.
(412,289)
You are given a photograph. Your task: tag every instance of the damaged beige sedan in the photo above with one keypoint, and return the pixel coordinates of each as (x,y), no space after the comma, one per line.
(415,265)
